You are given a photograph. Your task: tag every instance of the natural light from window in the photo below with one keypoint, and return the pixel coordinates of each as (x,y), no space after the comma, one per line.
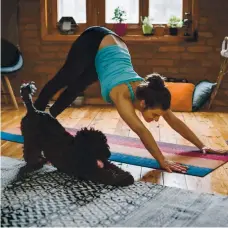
(161,10)
(72,8)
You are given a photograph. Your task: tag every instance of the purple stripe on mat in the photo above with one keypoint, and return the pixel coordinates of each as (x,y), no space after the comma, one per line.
(135,142)
(168,148)
(171,148)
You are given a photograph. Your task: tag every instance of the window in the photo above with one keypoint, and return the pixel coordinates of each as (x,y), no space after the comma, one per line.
(74,8)
(100,12)
(160,11)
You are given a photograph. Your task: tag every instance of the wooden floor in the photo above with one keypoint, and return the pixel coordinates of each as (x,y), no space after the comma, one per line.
(212,128)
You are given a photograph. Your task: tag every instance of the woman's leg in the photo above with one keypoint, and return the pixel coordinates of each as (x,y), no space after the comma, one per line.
(77,86)
(50,89)
(77,73)
(80,57)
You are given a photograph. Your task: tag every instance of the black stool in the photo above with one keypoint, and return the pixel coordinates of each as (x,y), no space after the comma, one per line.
(11,62)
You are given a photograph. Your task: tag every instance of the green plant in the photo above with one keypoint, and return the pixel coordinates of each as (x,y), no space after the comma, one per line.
(146,21)
(119,15)
(175,22)
(147,26)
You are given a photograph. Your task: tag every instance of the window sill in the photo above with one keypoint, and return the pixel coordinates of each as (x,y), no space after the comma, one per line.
(127,38)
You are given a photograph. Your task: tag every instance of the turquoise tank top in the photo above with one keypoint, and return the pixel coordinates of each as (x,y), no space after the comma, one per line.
(113,66)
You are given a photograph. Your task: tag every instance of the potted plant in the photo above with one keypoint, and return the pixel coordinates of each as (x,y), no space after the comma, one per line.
(173,24)
(147,26)
(119,16)
(159,30)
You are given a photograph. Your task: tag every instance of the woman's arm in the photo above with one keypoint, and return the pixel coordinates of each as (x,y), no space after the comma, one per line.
(180,127)
(188,134)
(127,113)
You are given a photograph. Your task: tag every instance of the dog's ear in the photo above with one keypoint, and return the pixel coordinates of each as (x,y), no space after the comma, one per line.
(100,143)
(90,146)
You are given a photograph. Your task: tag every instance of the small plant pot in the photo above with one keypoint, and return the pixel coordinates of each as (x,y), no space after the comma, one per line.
(120,29)
(160,31)
(147,30)
(173,31)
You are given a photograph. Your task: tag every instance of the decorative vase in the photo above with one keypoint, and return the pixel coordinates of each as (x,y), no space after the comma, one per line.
(173,31)
(147,29)
(120,29)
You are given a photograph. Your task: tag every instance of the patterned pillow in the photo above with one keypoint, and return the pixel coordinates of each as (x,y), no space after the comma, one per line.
(202,94)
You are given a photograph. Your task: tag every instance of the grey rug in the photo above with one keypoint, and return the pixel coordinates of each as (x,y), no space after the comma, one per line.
(50,198)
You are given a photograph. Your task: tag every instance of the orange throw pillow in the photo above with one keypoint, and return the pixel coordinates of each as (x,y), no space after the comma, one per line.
(182,94)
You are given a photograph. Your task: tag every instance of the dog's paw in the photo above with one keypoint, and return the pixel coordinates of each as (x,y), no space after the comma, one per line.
(111,175)
(28,168)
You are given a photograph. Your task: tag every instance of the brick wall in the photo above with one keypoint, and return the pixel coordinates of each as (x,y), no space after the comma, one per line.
(194,61)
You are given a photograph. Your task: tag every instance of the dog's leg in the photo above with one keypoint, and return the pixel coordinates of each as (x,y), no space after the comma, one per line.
(33,154)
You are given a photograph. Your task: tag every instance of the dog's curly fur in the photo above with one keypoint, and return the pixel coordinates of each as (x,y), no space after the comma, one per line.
(75,155)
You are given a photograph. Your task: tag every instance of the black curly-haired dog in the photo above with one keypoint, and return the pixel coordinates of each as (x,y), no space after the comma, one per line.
(45,139)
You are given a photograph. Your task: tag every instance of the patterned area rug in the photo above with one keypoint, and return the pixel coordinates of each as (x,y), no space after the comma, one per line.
(50,198)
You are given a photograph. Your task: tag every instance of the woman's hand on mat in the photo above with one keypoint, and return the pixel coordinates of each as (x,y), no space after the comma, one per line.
(209,150)
(171,166)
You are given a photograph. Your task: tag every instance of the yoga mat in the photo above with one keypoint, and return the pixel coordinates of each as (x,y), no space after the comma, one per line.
(48,198)
(131,151)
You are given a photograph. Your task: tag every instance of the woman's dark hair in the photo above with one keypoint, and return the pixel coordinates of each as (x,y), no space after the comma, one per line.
(154,92)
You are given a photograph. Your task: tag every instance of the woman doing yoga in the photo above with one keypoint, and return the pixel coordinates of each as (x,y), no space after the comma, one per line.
(100,54)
